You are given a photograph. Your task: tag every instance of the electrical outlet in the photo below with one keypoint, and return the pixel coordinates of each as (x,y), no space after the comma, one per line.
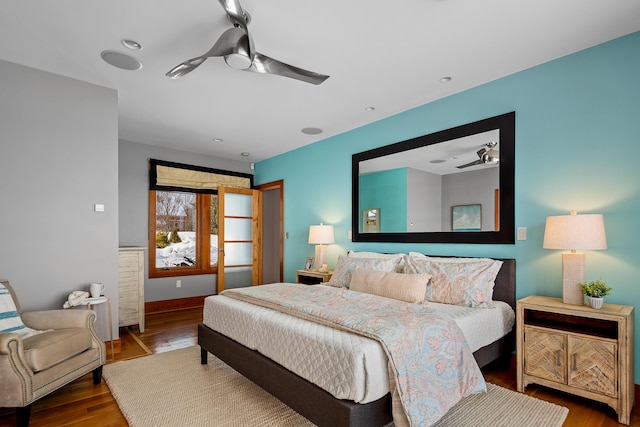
(178,283)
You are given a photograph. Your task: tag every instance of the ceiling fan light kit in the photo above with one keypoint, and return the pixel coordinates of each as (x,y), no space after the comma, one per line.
(235,45)
(487,155)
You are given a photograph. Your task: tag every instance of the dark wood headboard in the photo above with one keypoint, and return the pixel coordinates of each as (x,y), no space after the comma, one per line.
(505,287)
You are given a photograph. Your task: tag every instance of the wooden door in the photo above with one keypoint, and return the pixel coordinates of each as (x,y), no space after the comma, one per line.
(239,238)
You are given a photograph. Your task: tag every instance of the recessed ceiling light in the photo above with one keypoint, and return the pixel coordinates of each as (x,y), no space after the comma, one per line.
(437,161)
(131,44)
(120,60)
(311,131)
(217,140)
(369,108)
(245,154)
(445,79)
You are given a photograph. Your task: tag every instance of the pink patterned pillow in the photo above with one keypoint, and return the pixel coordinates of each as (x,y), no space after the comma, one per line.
(344,268)
(459,281)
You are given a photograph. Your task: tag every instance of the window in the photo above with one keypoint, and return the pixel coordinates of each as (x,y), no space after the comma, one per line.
(183,221)
(184,228)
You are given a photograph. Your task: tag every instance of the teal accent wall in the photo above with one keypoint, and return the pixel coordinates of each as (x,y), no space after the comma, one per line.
(577,147)
(386,190)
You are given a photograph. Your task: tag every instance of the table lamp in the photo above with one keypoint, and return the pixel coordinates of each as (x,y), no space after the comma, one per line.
(574,232)
(321,235)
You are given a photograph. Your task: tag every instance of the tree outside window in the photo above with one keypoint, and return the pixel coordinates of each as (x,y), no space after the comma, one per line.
(184,229)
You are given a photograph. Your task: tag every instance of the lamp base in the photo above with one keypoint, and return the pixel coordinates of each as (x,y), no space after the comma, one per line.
(572,274)
(321,255)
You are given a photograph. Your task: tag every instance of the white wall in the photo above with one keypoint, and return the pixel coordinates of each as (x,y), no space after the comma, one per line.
(468,188)
(134,212)
(424,201)
(58,157)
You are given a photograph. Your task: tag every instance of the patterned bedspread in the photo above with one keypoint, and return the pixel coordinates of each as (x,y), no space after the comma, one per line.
(430,362)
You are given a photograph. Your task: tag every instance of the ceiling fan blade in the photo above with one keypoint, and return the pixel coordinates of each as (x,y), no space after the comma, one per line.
(477,162)
(186,67)
(236,14)
(225,45)
(266,65)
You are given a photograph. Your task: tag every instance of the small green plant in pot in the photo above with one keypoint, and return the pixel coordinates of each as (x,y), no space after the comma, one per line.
(596,290)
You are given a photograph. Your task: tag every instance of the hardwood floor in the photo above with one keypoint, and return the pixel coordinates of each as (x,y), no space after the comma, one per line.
(83,404)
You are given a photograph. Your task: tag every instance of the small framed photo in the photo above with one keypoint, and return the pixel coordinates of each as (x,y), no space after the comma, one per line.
(466,217)
(309,264)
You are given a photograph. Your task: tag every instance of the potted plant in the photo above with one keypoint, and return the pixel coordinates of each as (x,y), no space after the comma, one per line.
(596,290)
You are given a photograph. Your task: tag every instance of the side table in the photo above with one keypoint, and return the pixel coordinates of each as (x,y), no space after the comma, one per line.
(312,277)
(101,300)
(577,349)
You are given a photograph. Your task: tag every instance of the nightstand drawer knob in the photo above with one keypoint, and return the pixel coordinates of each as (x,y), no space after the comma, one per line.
(558,358)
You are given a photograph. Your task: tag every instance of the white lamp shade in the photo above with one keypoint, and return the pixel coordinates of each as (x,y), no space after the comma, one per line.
(584,232)
(321,234)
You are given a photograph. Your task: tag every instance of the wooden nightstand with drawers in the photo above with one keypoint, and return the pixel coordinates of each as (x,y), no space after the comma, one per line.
(578,350)
(312,277)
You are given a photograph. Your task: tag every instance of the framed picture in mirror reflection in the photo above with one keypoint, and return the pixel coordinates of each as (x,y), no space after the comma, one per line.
(466,217)
(371,220)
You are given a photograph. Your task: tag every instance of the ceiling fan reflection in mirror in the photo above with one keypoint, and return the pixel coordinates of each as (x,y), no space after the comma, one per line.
(488,155)
(235,45)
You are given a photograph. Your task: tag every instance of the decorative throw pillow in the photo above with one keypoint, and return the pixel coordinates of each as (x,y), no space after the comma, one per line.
(417,255)
(413,265)
(10,320)
(344,268)
(403,287)
(460,281)
(464,282)
(363,254)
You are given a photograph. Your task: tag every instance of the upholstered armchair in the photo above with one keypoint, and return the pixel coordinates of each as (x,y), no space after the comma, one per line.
(34,366)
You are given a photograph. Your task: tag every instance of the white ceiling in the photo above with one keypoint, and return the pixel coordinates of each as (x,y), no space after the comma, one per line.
(386,54)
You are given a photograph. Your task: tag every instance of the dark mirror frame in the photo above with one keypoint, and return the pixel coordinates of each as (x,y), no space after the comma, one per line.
(505,235)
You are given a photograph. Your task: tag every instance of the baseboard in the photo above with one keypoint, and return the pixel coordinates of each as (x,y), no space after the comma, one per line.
(174,304)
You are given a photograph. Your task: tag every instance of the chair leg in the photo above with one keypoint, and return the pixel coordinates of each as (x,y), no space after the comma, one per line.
(204,355)
(23,415)
(97,375)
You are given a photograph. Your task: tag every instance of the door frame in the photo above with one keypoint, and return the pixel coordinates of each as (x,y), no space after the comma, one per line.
(277,185)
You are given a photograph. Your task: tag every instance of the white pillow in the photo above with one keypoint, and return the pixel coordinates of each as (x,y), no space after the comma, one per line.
(10,320)
(403,287)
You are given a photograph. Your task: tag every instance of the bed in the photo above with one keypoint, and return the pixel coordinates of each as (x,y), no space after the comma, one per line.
(313,401)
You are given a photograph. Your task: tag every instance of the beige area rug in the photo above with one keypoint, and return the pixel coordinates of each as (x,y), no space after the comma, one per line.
(174,389)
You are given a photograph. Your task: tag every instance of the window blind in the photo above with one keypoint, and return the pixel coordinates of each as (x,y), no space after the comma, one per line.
(198,179)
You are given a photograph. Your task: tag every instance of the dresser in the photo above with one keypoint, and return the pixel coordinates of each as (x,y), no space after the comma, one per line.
(131,286)
(578,350)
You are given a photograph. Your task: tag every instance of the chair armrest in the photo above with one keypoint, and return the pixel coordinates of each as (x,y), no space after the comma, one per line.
(6,338)
(59,319)
(16,387)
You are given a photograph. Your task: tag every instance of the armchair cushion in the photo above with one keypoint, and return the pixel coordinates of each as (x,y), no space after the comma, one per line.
(45,350)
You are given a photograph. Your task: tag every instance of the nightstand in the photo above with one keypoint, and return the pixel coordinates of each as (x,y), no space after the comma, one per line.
(312,277)
(578,350)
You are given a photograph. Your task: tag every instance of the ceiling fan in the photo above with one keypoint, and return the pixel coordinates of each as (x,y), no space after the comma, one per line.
(487,156)
(235,45)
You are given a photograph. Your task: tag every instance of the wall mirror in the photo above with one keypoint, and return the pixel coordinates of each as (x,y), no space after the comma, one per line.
(451,186)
